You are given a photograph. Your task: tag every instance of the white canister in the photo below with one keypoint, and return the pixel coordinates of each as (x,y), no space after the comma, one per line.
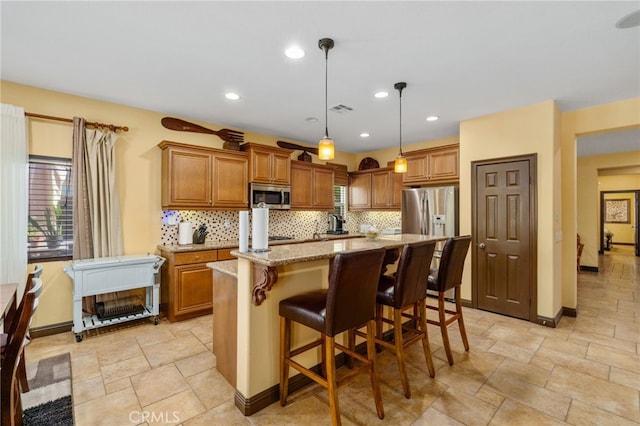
(185,233)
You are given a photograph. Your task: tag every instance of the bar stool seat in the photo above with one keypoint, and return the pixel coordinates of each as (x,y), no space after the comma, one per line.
(349,302)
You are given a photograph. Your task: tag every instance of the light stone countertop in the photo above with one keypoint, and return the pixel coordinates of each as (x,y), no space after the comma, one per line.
(229,267)
(294,253)
(216,245)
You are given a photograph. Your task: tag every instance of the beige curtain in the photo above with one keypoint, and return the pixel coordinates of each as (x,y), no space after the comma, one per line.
(82,239)
(104,204)
(96,215)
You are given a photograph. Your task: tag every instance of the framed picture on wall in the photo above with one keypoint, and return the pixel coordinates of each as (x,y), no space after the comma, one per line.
(616,211)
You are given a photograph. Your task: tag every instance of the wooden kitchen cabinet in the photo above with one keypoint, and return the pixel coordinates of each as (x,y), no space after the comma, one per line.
(311,186)
(187,283)
(268,164)
(434,165)
(203,178)
(360,190)
(375,189)
(386,189)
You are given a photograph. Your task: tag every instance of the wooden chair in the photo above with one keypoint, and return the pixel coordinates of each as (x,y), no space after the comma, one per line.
(406,289)
(579,252)
(348,303)
(11,411)
(449,276)
(36,289)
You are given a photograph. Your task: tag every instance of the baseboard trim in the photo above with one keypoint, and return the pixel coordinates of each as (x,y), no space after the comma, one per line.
(622,244)
(48,330)
(589,268)
(570,312)
(550,322)
(466,303)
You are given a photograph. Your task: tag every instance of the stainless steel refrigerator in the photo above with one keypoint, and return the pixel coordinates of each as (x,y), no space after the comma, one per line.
(430,211)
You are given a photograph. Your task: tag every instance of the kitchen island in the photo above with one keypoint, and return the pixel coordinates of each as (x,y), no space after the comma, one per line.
(261,281)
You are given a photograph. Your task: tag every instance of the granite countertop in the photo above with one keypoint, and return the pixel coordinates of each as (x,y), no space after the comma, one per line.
(216,245)
(294,253)
(229,267)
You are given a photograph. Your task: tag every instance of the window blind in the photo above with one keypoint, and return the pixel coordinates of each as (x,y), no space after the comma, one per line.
(50,221)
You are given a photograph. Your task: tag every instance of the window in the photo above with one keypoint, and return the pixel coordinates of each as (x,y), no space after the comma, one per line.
(50,224)
(340,200)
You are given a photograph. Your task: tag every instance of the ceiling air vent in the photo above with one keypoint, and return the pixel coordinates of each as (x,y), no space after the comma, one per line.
(340,109)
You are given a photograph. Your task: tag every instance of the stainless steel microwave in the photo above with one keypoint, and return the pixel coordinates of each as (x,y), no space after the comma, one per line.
(277,197)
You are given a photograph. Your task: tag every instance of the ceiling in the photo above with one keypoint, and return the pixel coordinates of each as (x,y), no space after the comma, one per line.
(460,60)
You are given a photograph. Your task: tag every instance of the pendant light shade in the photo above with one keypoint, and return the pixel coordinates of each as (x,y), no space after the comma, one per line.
(325,146)
(400,165)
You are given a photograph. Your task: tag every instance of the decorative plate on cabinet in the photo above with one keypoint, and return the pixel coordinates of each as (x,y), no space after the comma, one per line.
(368,163)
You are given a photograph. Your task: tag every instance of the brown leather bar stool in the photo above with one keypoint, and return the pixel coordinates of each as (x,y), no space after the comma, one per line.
(448,276)
(406,289)
(349,302)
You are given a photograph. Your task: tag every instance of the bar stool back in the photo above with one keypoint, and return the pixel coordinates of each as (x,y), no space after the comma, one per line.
(406,290)
(449,276)
(349,302)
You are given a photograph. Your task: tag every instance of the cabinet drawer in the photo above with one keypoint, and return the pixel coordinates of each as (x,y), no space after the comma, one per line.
(225,254)
(196,257)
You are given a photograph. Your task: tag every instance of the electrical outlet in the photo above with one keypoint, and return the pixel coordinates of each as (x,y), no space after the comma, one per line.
(227,225)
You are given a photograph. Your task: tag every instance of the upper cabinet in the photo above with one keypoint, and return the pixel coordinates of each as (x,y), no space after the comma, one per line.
(311,186)
(375,189)
(196,177)
(268,164)
(435,165)
(386,189)
(360,190)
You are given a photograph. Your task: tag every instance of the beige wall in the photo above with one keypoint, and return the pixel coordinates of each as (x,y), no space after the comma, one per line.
(599,119)
(508,133)
(588,197)
(138,171)
(623,232)
(527,130)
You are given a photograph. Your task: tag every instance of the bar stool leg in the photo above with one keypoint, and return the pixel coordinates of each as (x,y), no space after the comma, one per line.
(425,338)
(351,344)
(379,310)
(332,384)
(371,356)
(463,332)
(323,350)
(397,337)
(285,351)
(443,327)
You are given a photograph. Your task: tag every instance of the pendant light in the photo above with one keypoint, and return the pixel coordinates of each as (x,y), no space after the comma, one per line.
(325,146)
(400,165)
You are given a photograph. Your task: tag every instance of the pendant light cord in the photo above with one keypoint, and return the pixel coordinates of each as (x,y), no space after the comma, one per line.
(326,84)
(401,122)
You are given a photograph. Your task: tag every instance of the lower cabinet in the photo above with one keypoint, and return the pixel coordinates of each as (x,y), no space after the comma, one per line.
(187,283)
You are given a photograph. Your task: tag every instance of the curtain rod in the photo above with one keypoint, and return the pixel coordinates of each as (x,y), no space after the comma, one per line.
(69,120)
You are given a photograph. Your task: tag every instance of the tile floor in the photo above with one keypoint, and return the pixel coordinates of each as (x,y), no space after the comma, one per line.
(586,371)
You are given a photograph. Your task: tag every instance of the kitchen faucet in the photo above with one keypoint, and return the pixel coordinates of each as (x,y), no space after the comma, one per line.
(316,235)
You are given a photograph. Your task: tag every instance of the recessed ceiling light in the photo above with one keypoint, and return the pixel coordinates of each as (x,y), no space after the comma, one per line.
(364,135)
(381,94)
(311,120)
(294,52)
(232,96)
(629,21)
(432,118)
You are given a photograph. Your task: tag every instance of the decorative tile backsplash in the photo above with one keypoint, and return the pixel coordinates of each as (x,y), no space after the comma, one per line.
(223,225)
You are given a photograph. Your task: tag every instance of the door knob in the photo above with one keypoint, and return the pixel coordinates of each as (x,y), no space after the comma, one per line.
(482,245)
